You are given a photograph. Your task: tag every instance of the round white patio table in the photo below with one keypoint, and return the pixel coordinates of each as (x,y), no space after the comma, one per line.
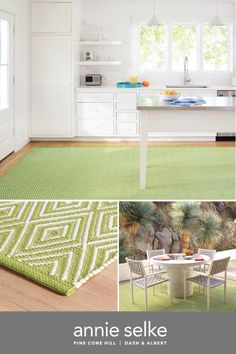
(178,270)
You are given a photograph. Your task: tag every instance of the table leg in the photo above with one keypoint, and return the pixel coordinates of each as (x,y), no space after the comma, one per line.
(177,276)
(143,148)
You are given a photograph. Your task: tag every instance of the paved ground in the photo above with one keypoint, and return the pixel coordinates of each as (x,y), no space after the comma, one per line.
(231,273)
(232,270)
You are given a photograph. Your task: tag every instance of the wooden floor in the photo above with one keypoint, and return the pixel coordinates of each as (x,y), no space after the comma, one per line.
(12,159)
(20,294)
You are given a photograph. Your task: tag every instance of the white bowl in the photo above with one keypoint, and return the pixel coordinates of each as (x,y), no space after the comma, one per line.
(169,97)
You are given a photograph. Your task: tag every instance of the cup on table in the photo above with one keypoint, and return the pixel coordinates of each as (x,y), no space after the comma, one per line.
(133,79)
(179,257)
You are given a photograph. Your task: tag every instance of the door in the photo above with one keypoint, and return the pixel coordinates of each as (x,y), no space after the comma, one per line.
(6,84)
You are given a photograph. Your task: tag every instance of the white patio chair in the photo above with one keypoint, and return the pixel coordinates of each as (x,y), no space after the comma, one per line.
(144,280)
(205,252)
(153,253)
(209,281)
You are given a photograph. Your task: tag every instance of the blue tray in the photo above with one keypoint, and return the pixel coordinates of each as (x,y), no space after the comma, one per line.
(128,85)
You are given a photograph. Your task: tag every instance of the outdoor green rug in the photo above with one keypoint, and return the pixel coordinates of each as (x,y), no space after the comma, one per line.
(58,244)
(161,301)
(113,173)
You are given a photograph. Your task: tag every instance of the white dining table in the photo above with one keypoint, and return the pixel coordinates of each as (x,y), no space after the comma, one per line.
(158,116)
(178,270)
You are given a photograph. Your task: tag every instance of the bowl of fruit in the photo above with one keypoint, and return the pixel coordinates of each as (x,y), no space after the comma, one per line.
(169,95)
(189,252)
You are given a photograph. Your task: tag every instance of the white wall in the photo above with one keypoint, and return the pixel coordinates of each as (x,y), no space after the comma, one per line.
(20,9)
(119,16)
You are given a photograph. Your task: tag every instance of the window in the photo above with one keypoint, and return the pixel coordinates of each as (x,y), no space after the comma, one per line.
(165,47)
(215,52)
(153,48)
(184,42)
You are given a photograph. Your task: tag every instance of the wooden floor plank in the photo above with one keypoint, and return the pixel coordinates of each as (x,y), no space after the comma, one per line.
(20,294)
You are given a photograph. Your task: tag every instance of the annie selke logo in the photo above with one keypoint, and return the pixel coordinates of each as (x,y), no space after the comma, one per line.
(144,334)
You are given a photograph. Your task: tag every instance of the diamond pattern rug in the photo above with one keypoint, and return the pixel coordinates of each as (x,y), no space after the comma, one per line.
(58,244)
(112,173)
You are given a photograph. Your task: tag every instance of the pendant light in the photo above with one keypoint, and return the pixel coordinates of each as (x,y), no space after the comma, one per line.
(154,20)
(216,21)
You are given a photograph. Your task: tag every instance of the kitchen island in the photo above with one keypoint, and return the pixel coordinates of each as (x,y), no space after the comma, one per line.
(156,115)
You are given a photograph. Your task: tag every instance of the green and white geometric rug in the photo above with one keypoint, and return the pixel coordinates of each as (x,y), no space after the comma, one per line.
(58,244)
(112,173)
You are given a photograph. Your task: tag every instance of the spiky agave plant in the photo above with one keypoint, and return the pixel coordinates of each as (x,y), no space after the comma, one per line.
(123,251)
(208,233)
(186,217)
(133,214)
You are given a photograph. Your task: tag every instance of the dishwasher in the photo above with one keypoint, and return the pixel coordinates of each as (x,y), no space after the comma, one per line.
(226,136)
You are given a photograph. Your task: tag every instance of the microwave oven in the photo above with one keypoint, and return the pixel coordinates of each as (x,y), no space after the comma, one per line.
(93,80)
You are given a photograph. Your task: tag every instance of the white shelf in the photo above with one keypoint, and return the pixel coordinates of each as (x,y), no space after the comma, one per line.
(106,62)
(100,42)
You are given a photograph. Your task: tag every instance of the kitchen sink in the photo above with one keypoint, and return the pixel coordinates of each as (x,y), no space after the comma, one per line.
(186,86)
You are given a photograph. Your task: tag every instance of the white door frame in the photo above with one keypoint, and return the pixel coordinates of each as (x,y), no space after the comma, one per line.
(10,17)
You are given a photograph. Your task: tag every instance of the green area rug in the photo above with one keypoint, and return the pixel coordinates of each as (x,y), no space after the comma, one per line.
(113,173)
(161,301)
(58,244)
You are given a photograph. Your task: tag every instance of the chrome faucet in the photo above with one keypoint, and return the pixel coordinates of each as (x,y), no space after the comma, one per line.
(186,72)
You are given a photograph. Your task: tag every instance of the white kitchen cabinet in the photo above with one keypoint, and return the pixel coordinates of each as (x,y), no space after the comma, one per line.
(95,97)
(112,112)
(51,70)
(206,93)
(127,128)
(51,61)
(150,94)
(51,17)
(95,109)
(94,127)
(126,97)
(107,114)
(199,93)
(51,112)
(126,106)
(127,116)
(95,114)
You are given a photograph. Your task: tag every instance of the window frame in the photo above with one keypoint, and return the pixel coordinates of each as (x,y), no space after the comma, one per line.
(200,50)
(197,48)
(139,50)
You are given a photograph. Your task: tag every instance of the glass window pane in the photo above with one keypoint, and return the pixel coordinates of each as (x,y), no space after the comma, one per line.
(215,42)
(153,48)
(4,87)
(4,42)
(184,43)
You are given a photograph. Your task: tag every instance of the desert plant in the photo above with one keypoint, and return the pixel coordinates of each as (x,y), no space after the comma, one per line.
(159,219)
(123,251)
(186,216)
(231,211)
(133,214)
(208,233)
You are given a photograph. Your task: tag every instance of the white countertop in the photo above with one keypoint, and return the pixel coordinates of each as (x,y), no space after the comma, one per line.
(212,103)
(113,88)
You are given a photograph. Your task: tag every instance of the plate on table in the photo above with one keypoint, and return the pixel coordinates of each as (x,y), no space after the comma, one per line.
(162,258)
(188,257)
(199,259)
